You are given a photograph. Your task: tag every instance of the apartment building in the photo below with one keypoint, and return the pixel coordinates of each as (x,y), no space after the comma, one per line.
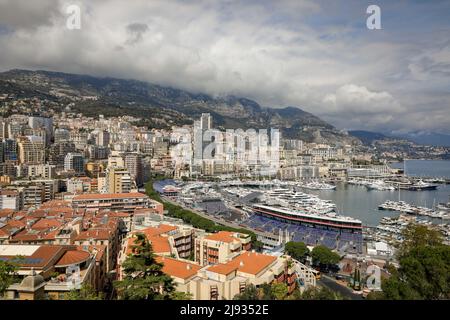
(226,280)
(74,162)
(133,163)
(48,271)
(126,202)
(217,247)
(118,180)
(31,150)
(11,199)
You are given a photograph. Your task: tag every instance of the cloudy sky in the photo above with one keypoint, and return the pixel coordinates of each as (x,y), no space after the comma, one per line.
(317,55)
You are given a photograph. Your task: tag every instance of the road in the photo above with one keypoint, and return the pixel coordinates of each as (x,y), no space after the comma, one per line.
(333,285)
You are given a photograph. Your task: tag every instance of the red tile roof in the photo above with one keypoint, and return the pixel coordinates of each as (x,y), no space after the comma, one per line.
(73,257)
(43,256)
(6,213)
(223,236)
(161,229)
(178,268)
(94,234)
(252,262)
(46,223)
(222,268)
(90,248)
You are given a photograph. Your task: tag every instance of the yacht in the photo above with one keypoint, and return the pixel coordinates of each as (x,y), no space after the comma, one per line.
(380,185)
(318,186)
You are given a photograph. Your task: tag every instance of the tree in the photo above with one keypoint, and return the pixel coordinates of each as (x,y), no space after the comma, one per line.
(266,291)
(86,292)
(250,293)
(323,256)
(297,250)
(424,271)
(144,279)
(7,275)
(416,235)
(178,295)
(319,293)
(279,291)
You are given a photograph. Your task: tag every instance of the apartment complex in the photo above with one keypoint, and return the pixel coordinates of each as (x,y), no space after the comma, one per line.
(31,150)
(49,271)
(222,264)
(126,202)
(226,280)
(118,180)
(217,247)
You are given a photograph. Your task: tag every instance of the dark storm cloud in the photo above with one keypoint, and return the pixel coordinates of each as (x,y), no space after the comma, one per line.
(19,14)
(136,32)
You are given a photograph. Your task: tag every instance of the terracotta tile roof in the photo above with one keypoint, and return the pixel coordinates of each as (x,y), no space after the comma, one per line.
(223,236)
(119,214)
(222,268)
(106,196)
(6,213)
(4,232)
(55,203)
(46,223)
(252,262)
(90,248)
(16,223)
(38,214)
(161,229)
(160,244)
(42,257)
(28,235)
(73,257)
(178,268)
(50,235)
(98,234)
(59,210)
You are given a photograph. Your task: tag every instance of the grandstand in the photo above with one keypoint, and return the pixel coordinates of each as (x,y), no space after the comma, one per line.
(340,240)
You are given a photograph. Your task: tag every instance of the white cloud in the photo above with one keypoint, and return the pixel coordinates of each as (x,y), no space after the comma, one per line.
(360,100)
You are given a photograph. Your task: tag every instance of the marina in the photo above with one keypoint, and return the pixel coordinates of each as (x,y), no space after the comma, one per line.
(402,206)
(338,214)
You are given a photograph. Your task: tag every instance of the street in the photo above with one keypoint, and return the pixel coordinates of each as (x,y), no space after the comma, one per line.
(345,292)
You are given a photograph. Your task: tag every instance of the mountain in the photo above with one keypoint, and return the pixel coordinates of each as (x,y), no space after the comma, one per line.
(426,138)
(367,137)
(156,104)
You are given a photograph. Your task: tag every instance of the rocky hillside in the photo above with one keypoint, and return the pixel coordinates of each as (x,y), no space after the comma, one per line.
(110,96)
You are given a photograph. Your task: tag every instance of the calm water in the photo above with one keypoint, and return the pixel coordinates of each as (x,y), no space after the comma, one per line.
(426,168)
(360,203)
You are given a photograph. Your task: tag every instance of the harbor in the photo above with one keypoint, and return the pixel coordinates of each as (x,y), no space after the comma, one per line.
(401,206)
(323,211)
